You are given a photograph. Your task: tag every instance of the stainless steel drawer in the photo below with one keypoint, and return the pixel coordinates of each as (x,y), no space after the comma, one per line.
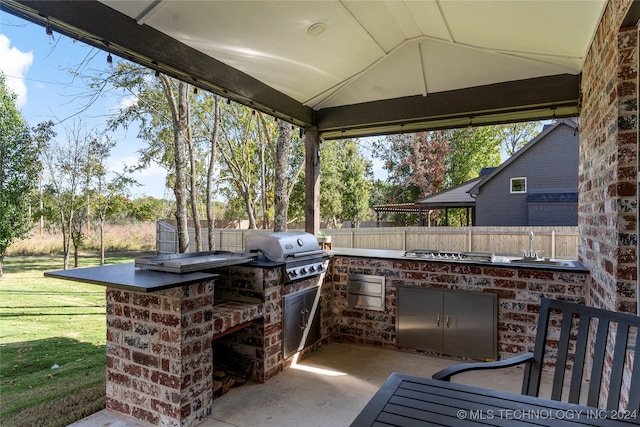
(366,291)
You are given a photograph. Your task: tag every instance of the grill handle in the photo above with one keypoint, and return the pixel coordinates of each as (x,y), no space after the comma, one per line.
(308,253)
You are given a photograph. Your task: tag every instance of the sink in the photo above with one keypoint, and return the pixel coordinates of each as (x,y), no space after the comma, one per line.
(556,262)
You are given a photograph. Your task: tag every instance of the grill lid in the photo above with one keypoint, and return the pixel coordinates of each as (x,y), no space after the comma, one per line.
(283,245)
(299,251)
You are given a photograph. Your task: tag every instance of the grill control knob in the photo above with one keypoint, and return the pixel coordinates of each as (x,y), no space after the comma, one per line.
(303,270)
(312,269)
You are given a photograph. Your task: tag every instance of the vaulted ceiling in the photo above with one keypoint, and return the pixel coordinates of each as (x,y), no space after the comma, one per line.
(353,68)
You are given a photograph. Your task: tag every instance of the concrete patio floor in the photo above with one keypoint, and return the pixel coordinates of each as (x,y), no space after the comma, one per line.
(329,388)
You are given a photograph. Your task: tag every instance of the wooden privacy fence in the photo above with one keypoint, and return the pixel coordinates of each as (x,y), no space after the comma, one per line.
(554,242)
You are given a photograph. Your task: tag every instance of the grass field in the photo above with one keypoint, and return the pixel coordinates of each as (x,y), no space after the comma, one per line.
(52,344)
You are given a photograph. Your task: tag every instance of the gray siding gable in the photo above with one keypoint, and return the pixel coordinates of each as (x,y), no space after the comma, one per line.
(549,162)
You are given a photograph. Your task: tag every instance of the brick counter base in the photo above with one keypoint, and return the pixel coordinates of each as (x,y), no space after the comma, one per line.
(159,356)
(230,316)
(518,289)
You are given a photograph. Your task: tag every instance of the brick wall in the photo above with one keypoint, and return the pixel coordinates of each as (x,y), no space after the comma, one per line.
(262,342)
(159,345)
(607,213)
(607,206)
(159,355)
(519,291)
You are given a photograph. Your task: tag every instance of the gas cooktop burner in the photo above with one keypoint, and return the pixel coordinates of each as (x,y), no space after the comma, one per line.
(447,255)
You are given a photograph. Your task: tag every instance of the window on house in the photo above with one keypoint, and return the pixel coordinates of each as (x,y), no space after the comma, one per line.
(518,185)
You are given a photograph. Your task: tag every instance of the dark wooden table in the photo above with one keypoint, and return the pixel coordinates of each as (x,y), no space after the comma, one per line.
(412,401)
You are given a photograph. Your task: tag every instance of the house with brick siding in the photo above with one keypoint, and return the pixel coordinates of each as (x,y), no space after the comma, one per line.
(537,186)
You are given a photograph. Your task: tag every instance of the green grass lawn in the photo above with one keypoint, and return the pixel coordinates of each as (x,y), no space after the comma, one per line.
(45,323)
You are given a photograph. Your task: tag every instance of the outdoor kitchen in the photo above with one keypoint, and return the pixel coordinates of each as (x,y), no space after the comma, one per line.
(172,318)
(166,314)
(167,323)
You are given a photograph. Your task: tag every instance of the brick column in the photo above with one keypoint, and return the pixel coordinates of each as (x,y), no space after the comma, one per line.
(608,199)
(159,357)
(607,206)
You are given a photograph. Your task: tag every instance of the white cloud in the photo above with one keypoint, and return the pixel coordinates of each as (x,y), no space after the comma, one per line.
(127,102)
(15,65)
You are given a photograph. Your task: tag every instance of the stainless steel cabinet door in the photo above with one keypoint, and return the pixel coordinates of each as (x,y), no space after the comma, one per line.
(451,322)
(419,322)
(301,323)
(470,325)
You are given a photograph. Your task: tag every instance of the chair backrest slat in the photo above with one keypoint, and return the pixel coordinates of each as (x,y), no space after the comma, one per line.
(578,344)
(533,371)
(634,388)
(599,351)
(579,359)
(617,365)
(561,357)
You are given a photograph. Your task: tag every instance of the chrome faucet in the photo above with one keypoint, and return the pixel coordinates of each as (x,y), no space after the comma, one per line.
(531,254)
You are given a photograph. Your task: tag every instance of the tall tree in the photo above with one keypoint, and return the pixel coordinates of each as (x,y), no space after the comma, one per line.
(345,182)
(19,172)
(104,191)
(295,178)
(281,192)
(515,135)
(207,134)
(211,127)
(356,177)
(415,162)
(331,182)
(179,108)
(470,150)
(240,149)
(66,164)
(162,111)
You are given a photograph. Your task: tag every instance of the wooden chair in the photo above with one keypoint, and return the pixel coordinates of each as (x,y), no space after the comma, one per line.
(617,332)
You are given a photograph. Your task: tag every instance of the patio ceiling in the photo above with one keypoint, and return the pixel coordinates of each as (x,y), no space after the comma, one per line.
(353,68)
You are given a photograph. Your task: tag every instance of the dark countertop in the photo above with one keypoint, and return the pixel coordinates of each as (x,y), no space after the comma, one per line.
(574,266)
(127,276)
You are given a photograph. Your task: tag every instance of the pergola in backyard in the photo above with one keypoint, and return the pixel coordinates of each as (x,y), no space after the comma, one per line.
(342,69)
(456,197)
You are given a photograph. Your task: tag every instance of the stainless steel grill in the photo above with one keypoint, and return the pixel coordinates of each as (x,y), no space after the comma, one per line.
(299,251)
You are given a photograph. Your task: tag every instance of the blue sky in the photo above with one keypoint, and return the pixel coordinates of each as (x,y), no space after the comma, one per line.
(38,71)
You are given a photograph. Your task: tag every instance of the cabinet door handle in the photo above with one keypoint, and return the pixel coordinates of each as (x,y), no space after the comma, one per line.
(301,322)
(438,320)
(448,321)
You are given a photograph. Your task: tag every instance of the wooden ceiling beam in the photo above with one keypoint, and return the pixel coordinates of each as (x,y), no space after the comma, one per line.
(524,100)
